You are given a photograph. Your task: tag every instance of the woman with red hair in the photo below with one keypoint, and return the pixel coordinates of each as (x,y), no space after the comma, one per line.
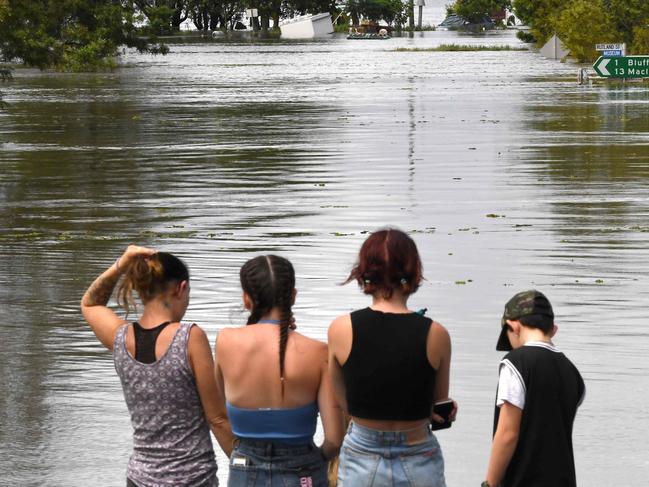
(389,365)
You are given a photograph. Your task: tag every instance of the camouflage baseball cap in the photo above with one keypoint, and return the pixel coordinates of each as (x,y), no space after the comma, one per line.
(525,303)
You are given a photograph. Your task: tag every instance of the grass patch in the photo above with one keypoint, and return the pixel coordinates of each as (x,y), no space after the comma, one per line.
(460,48)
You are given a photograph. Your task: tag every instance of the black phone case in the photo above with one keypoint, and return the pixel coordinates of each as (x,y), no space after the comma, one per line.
(444,410)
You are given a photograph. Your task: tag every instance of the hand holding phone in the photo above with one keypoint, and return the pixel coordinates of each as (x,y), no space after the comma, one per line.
(443,410)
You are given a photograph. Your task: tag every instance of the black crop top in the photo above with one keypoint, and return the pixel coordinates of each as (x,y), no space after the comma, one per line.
(387,375)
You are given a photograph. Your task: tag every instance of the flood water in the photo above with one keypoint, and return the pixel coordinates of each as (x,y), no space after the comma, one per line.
(507,174)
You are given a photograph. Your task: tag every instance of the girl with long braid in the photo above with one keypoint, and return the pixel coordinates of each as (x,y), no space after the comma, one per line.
(275,382)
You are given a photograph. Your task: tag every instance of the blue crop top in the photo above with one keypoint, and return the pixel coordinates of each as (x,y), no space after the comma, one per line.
(291,425)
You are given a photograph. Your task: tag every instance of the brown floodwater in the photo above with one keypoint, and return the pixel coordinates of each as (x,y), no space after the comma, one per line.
(506,173)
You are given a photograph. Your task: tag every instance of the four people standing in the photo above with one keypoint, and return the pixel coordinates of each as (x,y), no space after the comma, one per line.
(385,367)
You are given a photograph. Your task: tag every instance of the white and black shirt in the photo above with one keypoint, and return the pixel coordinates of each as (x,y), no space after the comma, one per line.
(541,381)
(511,387)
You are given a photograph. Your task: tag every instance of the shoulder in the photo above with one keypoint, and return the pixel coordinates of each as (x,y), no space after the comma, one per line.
(527,359)
(197,336)
(310,346)
(518,353)
(438,329)
(123,328)
(195,331)
(308,341)
(226,336)
(438,334)
(340,325)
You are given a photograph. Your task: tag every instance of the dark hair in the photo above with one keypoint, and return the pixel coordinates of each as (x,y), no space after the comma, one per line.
(388,260)
(542,322)
(269,280)
(150,276)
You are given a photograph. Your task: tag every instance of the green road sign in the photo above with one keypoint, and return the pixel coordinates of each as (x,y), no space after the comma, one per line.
(622,67)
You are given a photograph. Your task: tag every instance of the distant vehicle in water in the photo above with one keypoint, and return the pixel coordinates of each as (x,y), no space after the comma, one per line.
(456,22)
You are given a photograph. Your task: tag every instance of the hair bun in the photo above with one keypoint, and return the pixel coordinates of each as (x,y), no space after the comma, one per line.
(154,267)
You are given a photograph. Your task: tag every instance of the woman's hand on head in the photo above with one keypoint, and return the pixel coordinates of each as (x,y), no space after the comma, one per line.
(133,252)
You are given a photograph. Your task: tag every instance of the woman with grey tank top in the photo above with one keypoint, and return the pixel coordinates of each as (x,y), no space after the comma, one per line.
(166,369)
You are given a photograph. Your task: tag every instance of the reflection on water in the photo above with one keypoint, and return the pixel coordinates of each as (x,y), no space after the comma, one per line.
(506,173)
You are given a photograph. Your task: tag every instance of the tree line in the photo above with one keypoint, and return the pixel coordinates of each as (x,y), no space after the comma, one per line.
(86,35)
(580,24)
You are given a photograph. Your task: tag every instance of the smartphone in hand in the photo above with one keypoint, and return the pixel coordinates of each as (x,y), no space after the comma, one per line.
(443,409)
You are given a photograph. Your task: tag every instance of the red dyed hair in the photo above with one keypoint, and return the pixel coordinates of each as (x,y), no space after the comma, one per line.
(388,261)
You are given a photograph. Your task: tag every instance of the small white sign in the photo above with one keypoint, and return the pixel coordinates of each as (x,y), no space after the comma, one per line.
(610,47)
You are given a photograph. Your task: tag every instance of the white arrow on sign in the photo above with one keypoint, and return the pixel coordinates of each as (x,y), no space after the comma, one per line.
(602,67)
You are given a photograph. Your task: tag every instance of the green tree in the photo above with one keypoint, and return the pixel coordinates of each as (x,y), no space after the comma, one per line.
(291,8)
(640,40)
(267,10)
(375,10)
(584,23)
(616,20)
(539,16)
(477,10)
(5,75)
(164,16)
(628,15)
(75,35)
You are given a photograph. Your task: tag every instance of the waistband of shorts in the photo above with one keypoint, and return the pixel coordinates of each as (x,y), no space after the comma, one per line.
(272,448)
(400,437)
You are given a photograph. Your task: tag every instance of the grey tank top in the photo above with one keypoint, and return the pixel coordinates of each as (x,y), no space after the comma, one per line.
(171,437)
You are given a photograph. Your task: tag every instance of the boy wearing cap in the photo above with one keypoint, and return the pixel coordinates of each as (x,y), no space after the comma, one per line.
(539,391)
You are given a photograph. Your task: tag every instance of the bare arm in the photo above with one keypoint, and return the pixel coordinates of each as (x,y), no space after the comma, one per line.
(504,443)
(212,400)
(439,356)
(330,413)
(339,350)
(103,320)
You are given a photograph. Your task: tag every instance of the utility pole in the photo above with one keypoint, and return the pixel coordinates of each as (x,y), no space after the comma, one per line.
(411,14)
(420,4)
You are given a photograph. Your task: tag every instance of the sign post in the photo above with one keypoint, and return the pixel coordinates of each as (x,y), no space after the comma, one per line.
(622,67)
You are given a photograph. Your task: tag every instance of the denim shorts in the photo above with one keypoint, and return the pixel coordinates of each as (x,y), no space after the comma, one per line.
(258,463)
(372,458)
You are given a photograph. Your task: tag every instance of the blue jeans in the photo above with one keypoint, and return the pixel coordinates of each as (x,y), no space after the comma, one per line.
(372,458)
(256,463)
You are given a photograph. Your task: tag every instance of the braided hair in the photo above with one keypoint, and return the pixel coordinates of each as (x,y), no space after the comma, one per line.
(269,280)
